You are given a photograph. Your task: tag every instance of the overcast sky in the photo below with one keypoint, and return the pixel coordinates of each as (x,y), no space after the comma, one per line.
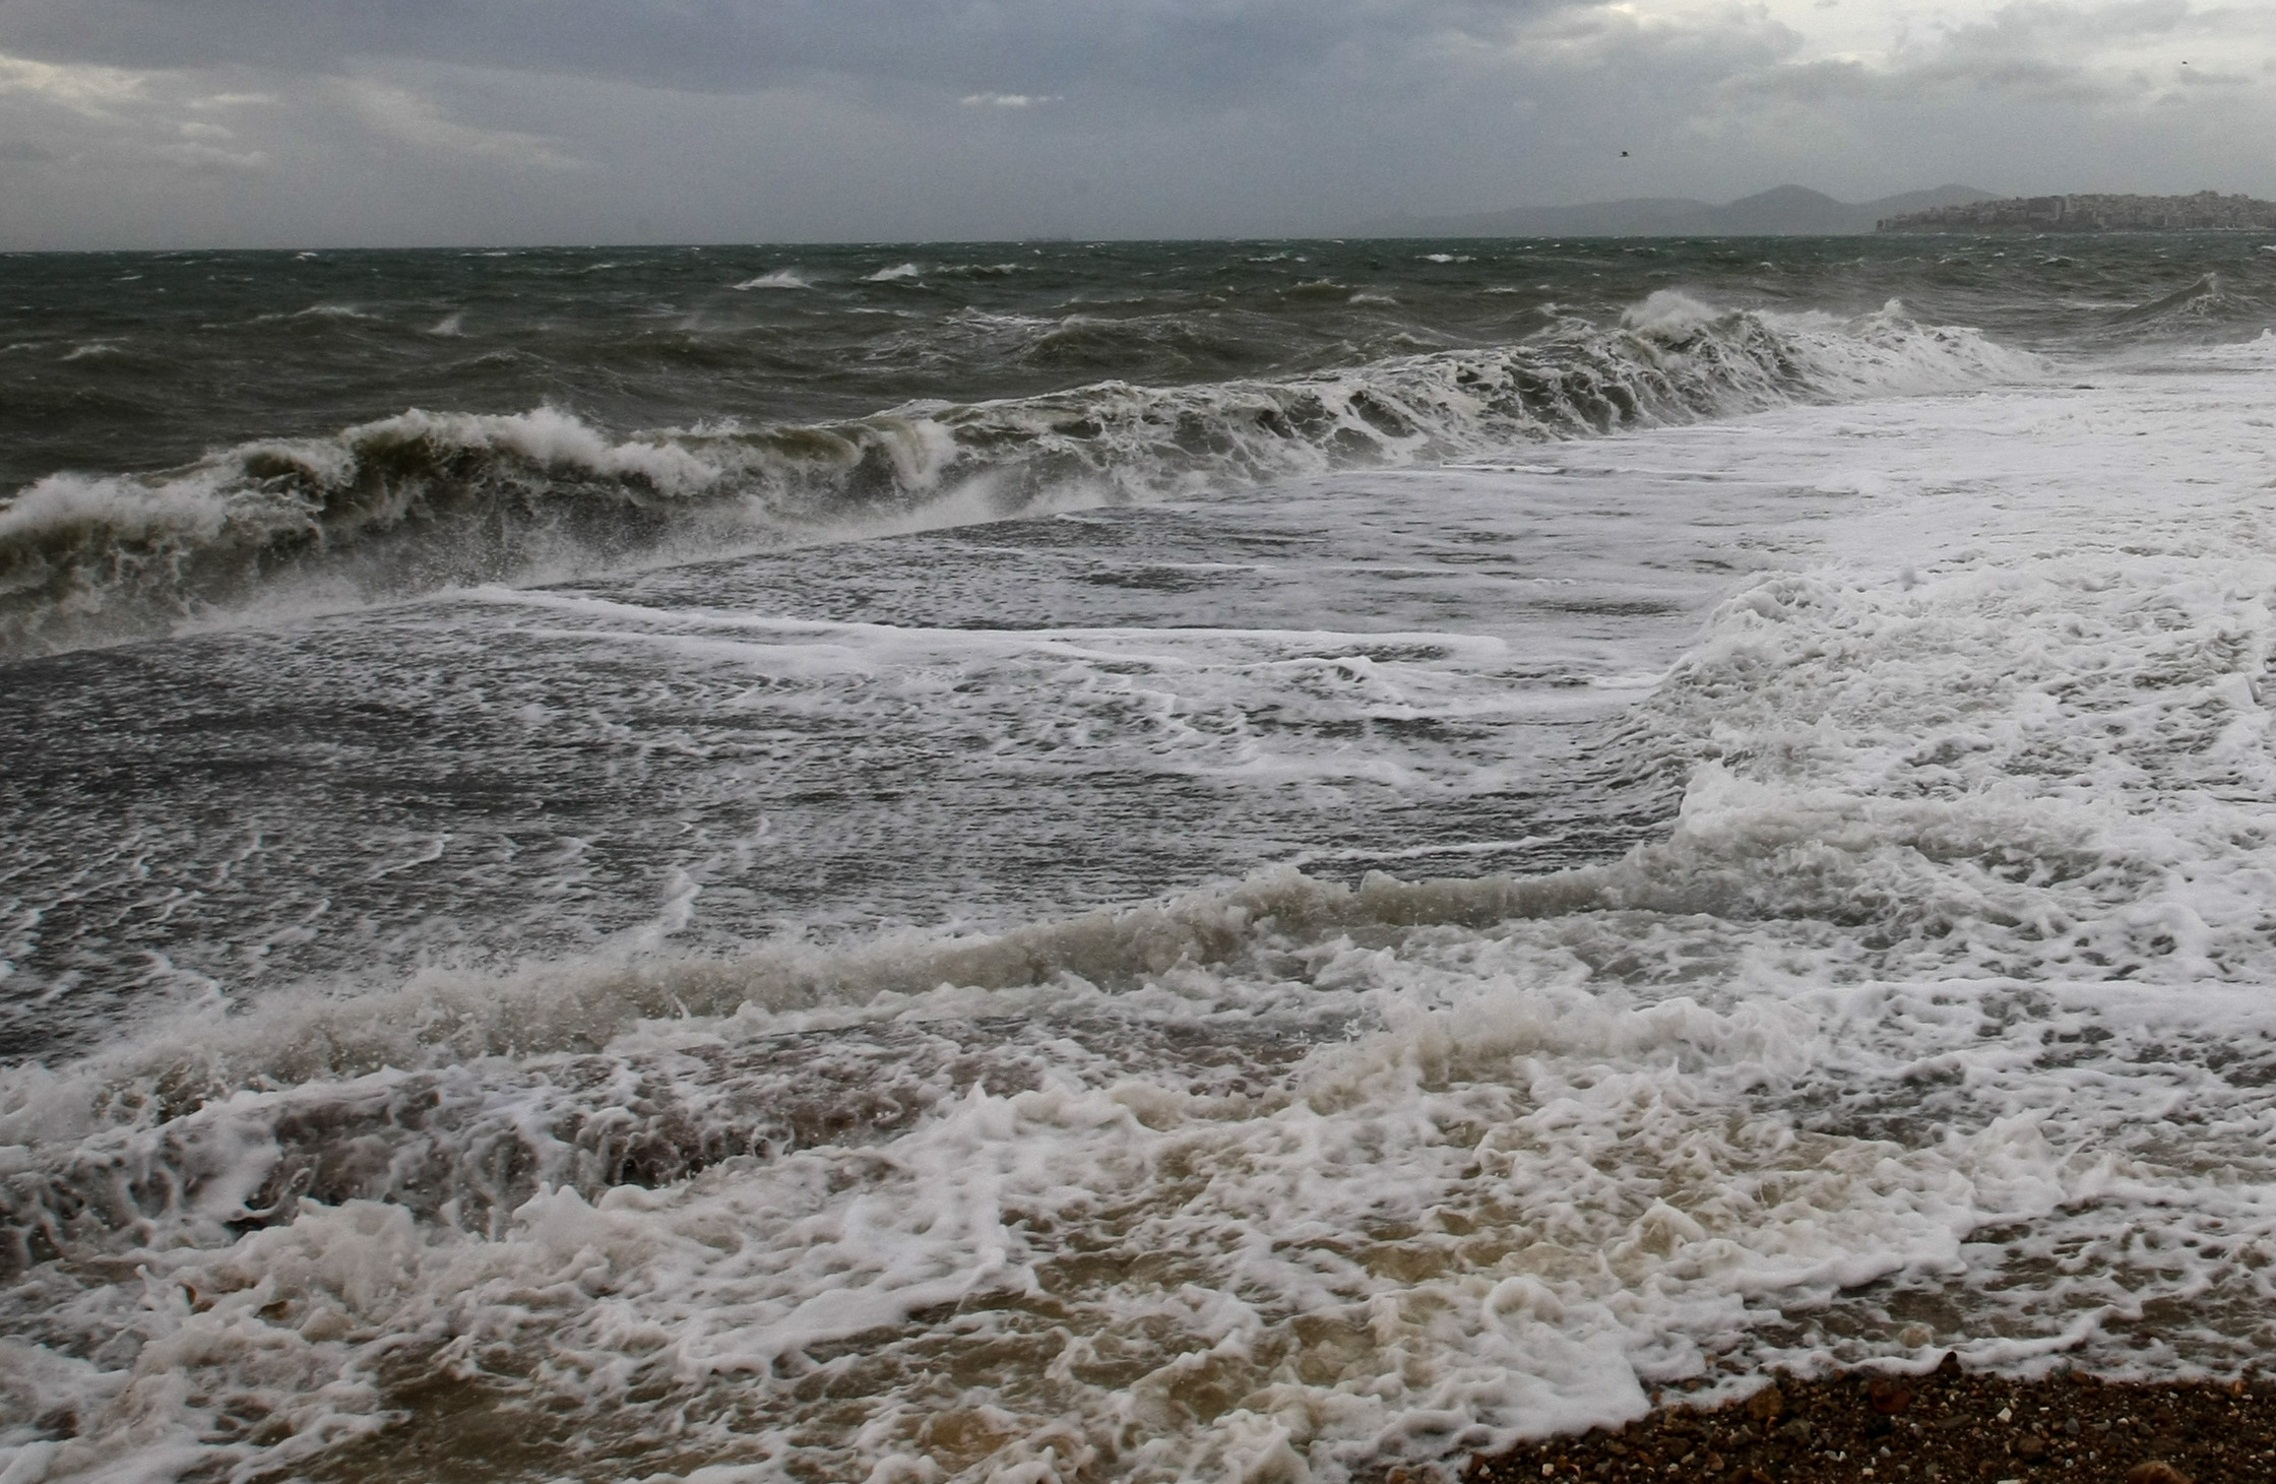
(147,123)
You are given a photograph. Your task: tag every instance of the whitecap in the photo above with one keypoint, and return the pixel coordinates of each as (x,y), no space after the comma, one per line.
(312,501)
(780,278)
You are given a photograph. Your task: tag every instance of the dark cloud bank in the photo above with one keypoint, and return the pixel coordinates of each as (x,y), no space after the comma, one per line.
(159,122)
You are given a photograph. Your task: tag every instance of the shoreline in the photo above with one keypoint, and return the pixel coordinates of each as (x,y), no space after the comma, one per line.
(1947,1425)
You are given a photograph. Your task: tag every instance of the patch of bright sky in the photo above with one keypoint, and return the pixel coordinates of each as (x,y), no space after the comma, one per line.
(2216,39)
(1873,32)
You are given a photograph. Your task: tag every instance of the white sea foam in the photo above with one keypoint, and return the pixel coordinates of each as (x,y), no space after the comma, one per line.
(1938,1018)
(897,273)
(542,486)
(778,278)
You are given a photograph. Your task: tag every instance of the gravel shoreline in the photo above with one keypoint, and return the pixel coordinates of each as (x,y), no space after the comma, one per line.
(1949,1425)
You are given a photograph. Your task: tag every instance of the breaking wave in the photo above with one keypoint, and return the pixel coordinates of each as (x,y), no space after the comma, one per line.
(1284,1179)
(424,500)
(779,278)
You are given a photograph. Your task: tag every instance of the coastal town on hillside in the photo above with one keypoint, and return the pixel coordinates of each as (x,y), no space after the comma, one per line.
(2206,211)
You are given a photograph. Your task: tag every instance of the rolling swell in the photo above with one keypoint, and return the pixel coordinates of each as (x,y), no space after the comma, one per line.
(2208,303)
(425,500)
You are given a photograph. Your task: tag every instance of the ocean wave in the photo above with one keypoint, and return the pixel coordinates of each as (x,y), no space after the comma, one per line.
(1411,1167)
(2210,303)
(92,557)
(319,312)
(425,500)
(779,278)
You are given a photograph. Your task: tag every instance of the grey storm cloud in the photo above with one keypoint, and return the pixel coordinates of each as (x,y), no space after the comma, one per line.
(1012,47)
(323,121)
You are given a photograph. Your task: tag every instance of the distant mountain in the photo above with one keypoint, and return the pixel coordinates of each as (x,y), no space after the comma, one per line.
(1784,211)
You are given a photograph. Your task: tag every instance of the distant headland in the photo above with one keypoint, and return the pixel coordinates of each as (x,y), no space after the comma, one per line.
(2206,211)
(1787,211)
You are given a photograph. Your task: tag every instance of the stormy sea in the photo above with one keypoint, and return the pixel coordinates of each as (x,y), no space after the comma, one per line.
(1260,861)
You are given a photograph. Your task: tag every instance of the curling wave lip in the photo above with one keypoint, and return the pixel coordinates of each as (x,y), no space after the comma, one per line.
(424,500)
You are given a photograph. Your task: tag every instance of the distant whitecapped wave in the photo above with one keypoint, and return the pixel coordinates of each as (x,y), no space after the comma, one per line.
(426,500)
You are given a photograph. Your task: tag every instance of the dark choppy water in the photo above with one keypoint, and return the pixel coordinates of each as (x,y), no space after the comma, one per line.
(136,362)
(192,432)
(1115,861)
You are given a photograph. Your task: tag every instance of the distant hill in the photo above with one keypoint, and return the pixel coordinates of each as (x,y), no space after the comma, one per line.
(1785,211)
(2207,211)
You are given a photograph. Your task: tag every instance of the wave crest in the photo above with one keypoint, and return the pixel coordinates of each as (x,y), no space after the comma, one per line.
(425,500)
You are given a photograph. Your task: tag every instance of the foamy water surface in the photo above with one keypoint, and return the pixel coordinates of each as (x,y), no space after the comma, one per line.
(1261,970)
